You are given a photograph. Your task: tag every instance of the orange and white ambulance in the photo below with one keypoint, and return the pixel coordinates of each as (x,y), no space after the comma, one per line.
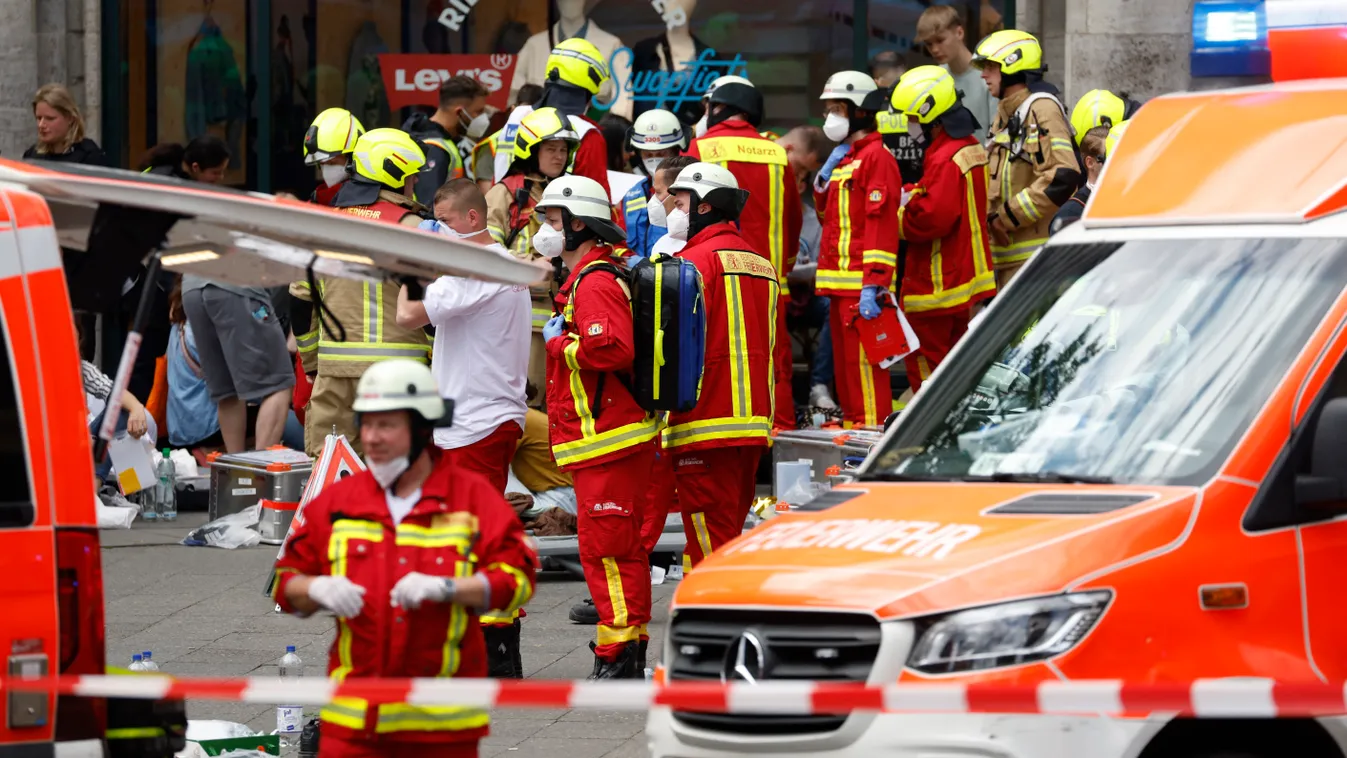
(1134,468)
(97,225)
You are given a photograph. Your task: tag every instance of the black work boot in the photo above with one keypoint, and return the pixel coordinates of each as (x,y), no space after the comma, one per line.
(502,651)
(621,667)
(640,656)
(585,612)
(518,650)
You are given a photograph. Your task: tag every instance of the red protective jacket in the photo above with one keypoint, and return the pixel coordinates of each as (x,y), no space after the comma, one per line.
(593,418)
(323,194)
(949,258)
(860,221)
(591,156)
(461,527)
(770,221)
(742,294)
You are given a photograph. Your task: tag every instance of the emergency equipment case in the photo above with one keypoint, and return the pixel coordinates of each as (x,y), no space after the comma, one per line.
(825,448)
(239,480)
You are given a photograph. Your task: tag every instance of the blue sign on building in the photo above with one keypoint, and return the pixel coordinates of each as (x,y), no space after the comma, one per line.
(671,90)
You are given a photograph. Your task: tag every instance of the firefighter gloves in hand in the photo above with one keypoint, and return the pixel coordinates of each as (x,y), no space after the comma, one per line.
(825,174)
(554,328)
(869,307)
(414,589)
(338,594)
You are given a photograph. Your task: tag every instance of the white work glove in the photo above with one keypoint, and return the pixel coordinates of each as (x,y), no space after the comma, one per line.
(907,195)
(414,589)
(338,594)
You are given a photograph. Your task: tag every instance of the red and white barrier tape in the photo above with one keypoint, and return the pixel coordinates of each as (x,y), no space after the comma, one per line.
(1204,697)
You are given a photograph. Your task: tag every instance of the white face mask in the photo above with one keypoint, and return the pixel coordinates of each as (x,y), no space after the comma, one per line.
(655,209)
(453,233)
(651,165)
(333,173)
(388,472)
(837,127)
(701,127)
(476,128)
(678,224)
(549,242)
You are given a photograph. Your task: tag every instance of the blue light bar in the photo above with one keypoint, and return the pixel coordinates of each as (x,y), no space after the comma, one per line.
(1230,38)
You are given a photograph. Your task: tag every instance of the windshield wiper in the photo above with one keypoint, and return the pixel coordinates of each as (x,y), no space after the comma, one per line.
(1052,477)
(891,477)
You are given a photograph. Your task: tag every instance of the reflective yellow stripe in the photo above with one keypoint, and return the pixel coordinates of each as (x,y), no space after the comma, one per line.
(839,280)
(776,219)
(1016,252)
(307,341)
(523,590)
(490,618)
(868,389)
(615,594)
(771,349)
(985,281)
(347,712)
(611,441)
(844,218)
(453,635)
(612,635)
(703,534)
(975,221)
(740,379)
(1027,205)
(582,408)
(135,733)
(881,257)
(937,269)
(276,582)
(636,204)
(402,717)
(540,317)
(497,234)
(1062,144)
(923,368)
(747,427)
(368,351)
(657,354)
(458,536)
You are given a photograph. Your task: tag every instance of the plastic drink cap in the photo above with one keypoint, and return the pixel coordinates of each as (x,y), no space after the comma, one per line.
(289,648)
(146,654)
(137,657)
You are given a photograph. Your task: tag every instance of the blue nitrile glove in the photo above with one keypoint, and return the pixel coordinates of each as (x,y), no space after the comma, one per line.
(429,225)
(869,308)
(555,327)
(826,173)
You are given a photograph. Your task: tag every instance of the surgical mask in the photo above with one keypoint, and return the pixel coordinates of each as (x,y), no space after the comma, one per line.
(388,472)
(549,242)
(655,209)
(453,233)
(836,127)
(333,173)
(651,165)
(678,224)
(475,127)
(701,127)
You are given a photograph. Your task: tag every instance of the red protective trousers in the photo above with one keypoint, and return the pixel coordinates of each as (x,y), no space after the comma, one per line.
(863,388)
(715,490)
(491,455)
(663,498)
(783,370)
(331,746)
(937,335)
(611,499)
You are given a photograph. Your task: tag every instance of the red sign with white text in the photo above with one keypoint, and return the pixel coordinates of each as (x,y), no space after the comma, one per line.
(415,79)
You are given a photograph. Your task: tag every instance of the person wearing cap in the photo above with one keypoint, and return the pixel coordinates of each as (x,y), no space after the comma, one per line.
(575,73)
(1033,168)
(857,192)
(406,555)
(716,445)
(600,435)
(384,168)
(949,266)
(328,144)
(544,143)
(656,135)
(771,220)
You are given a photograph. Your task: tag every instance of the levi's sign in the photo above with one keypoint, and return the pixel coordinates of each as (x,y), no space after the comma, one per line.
(415,78)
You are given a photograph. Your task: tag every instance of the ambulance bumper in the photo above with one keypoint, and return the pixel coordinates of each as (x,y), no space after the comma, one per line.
(916,736)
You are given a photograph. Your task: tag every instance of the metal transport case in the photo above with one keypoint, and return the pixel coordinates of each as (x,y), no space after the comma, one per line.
(240,480)
(845,449)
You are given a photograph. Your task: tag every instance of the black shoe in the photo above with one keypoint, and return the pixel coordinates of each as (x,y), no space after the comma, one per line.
(621,667)
(585,612)
(502,651)
(518,651)
(640,656)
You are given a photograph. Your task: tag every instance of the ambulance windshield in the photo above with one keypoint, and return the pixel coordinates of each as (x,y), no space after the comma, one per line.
(1138,362)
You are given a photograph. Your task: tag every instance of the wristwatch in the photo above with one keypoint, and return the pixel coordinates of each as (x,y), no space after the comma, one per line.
(450,588)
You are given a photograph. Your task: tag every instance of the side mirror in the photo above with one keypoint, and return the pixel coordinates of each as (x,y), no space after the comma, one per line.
(1325,486)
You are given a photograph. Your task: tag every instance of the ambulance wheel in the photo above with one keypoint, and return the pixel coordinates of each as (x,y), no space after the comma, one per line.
(1241,738)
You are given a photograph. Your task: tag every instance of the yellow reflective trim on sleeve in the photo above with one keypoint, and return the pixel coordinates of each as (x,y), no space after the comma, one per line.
(839,280)
(1059,143)
(937,268)
(276,582)
(403,717)
(345,711)
(880,257)
(497,234)
(611,441)
(1027,205)
(458,626)
(307,341)
(523,590)
(582,406)
(741,397)
(636,204)
(776,219)
(1017,252)
(616,596)
(540,317)
(723,428)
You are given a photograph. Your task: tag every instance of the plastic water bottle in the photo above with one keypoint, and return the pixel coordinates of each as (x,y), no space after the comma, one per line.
(168,488)
(149,664)
(137,662)
(290,718)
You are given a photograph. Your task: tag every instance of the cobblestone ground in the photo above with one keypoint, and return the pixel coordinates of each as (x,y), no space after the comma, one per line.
(202,612)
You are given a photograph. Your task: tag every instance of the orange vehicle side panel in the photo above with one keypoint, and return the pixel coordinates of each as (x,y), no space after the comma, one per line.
(1292,59)
(1324,547)
(1271,154)
(14,309)
(27,562)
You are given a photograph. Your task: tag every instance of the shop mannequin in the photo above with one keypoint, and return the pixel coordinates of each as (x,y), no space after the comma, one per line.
(532,65)
(672,49)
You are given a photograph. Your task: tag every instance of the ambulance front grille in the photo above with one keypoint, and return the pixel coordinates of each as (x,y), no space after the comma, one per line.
(726,645)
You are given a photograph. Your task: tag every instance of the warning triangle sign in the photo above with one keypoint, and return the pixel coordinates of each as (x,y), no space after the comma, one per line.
(338,461)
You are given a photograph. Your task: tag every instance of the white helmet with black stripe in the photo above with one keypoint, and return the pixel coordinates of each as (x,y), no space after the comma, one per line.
(658,130)
(583,198)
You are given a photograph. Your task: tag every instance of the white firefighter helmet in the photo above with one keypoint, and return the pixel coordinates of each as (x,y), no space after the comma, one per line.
(657,130)
(849,85)
(399,384)
(583,198)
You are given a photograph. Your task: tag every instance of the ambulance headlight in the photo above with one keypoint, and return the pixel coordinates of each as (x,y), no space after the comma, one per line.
(1007,634)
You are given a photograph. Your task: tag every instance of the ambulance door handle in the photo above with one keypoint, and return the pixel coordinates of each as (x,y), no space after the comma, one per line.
(27,709)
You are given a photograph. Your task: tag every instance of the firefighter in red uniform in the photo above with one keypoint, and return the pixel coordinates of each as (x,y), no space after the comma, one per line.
(406,554)
(770,222)
(857,194)
(575,72)
(949,260)
(599,433)
(716,445)
(328,144)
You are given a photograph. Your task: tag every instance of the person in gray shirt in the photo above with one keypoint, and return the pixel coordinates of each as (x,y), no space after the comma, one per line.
(941,30)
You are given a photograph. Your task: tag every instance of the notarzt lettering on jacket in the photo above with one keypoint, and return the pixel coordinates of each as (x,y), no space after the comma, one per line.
(716,150)
(916,539)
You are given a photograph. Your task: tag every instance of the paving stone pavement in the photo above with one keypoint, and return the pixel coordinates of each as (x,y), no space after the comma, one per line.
(202,612)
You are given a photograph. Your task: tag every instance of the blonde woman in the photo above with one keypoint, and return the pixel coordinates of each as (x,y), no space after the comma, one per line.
(60,130)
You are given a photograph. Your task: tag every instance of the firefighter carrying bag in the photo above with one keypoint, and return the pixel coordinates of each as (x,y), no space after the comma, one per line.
(669,326)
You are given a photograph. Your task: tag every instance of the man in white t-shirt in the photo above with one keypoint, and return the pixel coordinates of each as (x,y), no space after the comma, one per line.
(482,331)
